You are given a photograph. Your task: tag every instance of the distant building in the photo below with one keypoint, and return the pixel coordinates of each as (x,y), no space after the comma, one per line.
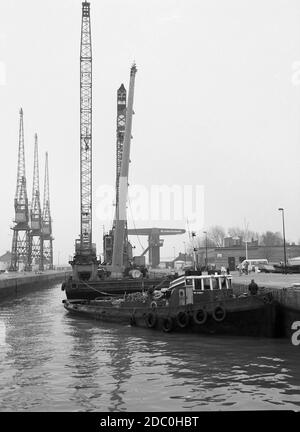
(5,261)
(231,256)
(182,260)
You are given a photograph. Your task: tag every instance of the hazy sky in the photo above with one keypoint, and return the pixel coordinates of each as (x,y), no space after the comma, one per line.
(217,103)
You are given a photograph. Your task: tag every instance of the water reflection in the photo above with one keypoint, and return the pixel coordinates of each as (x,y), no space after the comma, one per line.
(53,361)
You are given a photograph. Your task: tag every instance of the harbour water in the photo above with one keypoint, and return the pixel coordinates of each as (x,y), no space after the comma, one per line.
(51,361)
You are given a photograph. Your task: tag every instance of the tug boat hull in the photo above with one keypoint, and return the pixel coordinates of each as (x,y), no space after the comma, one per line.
(213,311)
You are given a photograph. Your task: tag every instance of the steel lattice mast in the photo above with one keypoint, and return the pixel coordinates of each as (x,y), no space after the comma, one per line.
(36,240)
(121,121)
(121,220)
(47,222)
(86,129)
(20,242)
(85,263)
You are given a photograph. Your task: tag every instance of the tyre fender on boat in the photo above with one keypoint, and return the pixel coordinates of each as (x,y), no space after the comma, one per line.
(151,319)
(132,319)
(200,316)
(168,324)
(153,305)
(182,319)
(219,313)
(268,298)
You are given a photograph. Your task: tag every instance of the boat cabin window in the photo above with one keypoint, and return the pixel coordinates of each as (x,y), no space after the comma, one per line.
(215,283)
(189,282)
(206,284)
(224,283)
(198,284)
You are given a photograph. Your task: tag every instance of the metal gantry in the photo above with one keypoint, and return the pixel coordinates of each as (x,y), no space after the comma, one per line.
(47,222)
(86,129)
(21,229)
(36,240)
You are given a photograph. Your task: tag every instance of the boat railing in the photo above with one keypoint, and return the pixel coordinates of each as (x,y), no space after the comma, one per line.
(214,282)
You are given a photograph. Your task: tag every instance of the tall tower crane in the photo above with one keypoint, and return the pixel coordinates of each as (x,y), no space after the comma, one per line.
(85,260)
(21,229)
(121,218)
(47,222)
(86,129)
(36,238)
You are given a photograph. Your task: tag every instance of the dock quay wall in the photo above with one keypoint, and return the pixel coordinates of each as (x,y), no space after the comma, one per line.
(14,285)
(287,304)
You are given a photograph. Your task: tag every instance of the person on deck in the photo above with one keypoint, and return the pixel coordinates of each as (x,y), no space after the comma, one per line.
(253,287)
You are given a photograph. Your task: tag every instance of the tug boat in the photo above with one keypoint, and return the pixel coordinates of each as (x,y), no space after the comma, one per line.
(196,304)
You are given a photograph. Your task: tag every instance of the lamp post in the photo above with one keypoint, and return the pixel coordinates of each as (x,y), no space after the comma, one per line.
(132,253)
(205,232)
(283,230)
(194,251)
(246,238)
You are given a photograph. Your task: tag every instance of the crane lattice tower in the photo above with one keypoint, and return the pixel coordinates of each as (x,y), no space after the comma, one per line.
(36,239)
(47,222)
(86,129)
(21,229)
(85,263)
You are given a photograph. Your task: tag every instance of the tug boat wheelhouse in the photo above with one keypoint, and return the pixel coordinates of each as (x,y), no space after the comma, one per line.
(197,304)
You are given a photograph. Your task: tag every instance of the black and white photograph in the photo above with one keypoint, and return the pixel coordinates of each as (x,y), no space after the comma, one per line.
(150,210)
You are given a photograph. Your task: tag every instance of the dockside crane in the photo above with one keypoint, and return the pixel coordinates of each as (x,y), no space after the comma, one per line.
(120,132)
(85,261)
(47,222)
(117,267)
(121,122)
(21,229)
(35,235)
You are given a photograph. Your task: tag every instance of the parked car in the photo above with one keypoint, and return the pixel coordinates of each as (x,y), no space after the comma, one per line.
(279,268)
(252,263)
(266,268)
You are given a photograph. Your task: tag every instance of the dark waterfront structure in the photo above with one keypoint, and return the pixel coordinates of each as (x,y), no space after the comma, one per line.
(18,284)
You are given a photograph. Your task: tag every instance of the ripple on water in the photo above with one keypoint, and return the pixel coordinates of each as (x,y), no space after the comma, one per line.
(50,360)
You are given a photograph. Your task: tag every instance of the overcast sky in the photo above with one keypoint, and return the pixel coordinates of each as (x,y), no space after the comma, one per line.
(217,103)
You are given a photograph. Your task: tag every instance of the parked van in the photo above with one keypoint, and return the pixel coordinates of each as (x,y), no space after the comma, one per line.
(253,263)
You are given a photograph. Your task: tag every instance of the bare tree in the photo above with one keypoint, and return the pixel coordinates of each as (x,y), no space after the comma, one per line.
(270,238)
(245,235)
(216,235)
(236,232)
(200,241)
